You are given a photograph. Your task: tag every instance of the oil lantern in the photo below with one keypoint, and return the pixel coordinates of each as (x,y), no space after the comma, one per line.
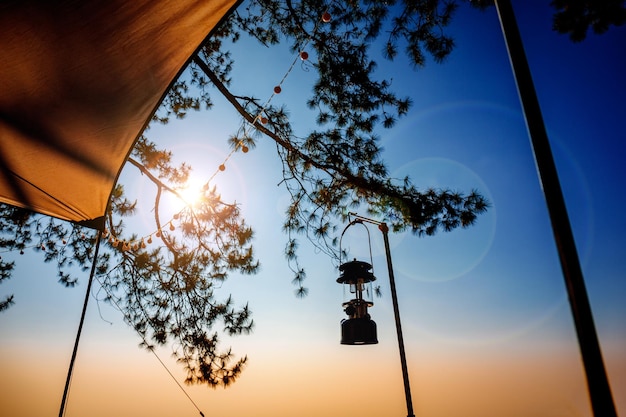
(359,328)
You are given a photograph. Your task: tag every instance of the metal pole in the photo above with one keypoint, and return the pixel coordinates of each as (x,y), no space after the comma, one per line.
(80,327)
(597,382)
(396,312)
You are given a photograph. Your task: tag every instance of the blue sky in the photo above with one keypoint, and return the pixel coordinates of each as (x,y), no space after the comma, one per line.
(487,325)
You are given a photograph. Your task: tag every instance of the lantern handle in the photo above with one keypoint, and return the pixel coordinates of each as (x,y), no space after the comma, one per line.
(357,220)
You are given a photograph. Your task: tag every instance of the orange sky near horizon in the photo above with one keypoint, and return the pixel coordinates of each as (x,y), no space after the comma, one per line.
(489,381)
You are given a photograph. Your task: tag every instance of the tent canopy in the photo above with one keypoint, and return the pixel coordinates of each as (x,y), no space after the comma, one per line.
(79,81)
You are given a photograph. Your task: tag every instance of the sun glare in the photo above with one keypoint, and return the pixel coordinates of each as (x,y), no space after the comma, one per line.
(190,195)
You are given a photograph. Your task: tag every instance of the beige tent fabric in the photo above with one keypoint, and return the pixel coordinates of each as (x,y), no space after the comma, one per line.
(78,81)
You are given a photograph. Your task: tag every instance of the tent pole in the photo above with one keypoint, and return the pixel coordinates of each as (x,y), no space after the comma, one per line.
(80,326)
(597,381)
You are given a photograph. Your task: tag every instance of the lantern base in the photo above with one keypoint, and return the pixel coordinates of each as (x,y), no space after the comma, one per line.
(358,331)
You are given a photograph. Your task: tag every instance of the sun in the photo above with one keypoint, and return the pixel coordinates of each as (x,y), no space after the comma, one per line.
(189,195)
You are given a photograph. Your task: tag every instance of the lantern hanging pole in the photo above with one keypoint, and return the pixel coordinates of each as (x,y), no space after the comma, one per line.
(396,311)
(597,381)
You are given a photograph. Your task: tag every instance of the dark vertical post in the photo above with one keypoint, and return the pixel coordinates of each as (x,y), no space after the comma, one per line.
(80,326)
(396,312)
(597,381)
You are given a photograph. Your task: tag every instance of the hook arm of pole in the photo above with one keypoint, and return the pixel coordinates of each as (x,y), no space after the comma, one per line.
(360,219)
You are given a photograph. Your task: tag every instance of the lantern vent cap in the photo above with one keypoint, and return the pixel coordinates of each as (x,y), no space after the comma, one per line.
(354,271)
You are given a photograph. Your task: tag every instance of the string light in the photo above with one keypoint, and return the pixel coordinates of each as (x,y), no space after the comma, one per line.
(261,117)
(303,55)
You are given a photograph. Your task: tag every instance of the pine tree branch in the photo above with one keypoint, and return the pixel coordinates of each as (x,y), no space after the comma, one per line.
(157,201)
(330,170)
(253,120)
(417,209)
